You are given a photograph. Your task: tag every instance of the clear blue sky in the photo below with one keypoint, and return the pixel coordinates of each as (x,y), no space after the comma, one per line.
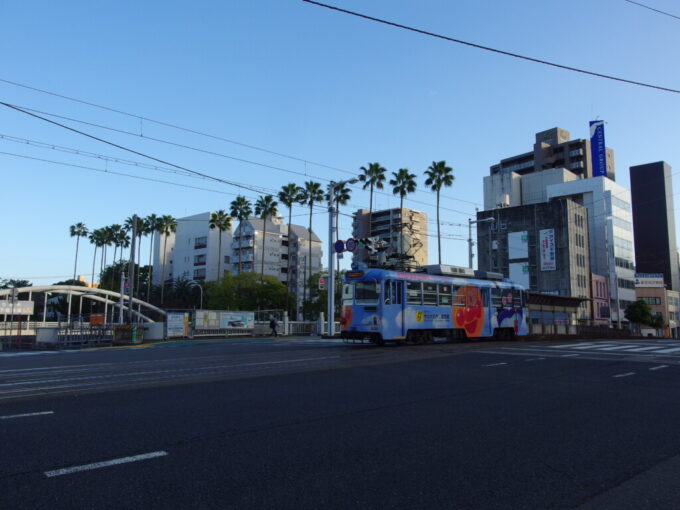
(318,85)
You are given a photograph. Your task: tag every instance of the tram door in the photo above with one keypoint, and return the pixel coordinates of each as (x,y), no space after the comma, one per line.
(397,299)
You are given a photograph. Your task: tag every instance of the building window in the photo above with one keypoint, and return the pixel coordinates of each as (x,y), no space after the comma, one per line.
(199,260)
(199,274)
(200,242)
(227,259)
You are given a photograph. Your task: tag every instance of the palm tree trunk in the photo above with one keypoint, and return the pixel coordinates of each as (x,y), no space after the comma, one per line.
(139,265)
(113,266)
(102,261)
(264,237)
(439,238)
(94,260)
(290,219)
(165,245)
(219,257)
(401,225)
(309,262)
(75,265)
(148,283)
(240,246)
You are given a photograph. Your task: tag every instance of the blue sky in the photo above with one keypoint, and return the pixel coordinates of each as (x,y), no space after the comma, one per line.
(320,86)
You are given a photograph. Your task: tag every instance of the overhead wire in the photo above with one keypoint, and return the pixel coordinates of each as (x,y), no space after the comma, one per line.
(653,9)
(490,49)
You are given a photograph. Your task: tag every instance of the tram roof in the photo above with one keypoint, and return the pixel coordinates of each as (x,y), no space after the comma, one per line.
(426,277)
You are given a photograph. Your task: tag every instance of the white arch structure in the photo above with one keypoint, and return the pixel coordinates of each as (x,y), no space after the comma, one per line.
(101,295)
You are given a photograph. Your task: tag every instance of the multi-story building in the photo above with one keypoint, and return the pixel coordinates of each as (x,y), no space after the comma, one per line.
(651,289)
(247,248)
(543,246)
(554,149)
(192,252)
(404,231)
(651,187)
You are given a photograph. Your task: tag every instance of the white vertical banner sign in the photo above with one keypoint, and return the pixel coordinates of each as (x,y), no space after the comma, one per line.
(547,246)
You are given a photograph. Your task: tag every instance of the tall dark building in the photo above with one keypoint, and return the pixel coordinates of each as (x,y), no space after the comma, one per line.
(651,188)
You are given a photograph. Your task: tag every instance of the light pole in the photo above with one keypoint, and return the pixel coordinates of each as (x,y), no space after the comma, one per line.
(330,317)
(194,283)
(470,242)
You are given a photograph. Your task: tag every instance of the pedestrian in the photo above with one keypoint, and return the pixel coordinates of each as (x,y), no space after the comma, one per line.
(273,324)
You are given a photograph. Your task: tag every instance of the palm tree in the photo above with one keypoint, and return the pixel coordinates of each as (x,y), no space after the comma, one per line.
(114,239)
(289,195)
(373,176)
(107,240)
(151,227)
(221,221)
(166,225)
(97,239)
(341,195)
(240,209)
(403,184)
(311,193)
(122,241)
(78,230)
(439,175)
(265,207)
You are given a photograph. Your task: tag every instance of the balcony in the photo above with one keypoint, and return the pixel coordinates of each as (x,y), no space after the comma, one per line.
(243,243)
(199,263)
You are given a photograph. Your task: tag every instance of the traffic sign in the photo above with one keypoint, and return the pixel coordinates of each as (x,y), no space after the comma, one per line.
(339,246)
(351,244)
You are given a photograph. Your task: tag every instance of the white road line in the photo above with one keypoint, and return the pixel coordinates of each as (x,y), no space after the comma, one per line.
(625,375)
(569,355)
(495,364)
(106,463)
(534,359)
(659,367)
(616,348)
(571,345)
(25,415)
(642,349)
(664,351)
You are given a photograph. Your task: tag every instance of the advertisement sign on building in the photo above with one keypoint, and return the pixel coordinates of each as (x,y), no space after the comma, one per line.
(8,307)
(519,273)
(546,239)
(598,153)
(649,280)
(518,245)
(177,324)
(209,319)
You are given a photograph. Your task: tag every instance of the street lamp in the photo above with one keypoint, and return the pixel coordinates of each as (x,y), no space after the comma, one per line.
(330,318)
(194,283)
(470,242)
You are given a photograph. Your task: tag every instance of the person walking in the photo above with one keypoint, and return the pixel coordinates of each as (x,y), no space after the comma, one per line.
(273,324)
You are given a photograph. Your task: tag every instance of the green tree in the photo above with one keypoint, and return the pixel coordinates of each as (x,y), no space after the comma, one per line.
(166,226)
(240,209)
(221,221)
(438,176)
(11,283)
(97,240)
(151,226)
(373,176)
(247,292)
(341,196)
(78,230)
(265,208)
(311,194)
(289,195)
(318,300)
(403,183)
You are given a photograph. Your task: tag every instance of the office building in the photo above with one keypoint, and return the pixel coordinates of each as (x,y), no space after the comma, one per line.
(392,226)
(651,187)
(651,289)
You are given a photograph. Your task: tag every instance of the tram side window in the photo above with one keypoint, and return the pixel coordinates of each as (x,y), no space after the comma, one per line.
(430,294)
(445,295)
(348,294)
(517,298)
(414,293)
(458,299)
(397,289)
(365,293)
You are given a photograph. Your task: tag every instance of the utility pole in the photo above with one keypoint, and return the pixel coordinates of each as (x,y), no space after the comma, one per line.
(131,264)
(330,288)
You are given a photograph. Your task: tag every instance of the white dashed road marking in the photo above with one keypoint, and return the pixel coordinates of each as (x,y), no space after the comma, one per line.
(25,415)
(569,355)
(106,463)
(495,364)
(659,367)
(627,374)
(534,359)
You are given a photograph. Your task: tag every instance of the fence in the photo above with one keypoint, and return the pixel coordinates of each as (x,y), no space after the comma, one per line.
(55,335)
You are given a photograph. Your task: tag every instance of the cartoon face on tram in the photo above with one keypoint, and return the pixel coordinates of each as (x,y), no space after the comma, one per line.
(383,305)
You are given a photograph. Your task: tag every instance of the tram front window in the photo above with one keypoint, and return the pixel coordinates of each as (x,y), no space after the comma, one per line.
(366,293)
(348,294)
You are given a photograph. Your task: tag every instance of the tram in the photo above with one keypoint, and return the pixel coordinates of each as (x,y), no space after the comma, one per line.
(444,301)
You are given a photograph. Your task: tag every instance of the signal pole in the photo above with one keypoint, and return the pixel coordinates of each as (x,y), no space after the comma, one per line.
(330,316)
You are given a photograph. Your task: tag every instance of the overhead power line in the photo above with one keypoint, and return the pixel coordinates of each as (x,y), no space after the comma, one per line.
(187,130)
(653,9)
(493,50)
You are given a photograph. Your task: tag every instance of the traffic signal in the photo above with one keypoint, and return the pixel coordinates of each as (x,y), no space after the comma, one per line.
(322,283)
(368,243)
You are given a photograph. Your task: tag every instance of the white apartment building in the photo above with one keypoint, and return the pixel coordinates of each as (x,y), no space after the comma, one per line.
(192,252)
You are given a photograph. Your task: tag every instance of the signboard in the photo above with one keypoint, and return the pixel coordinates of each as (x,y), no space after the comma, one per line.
(9,307)
(518,245)
(96,319)
(649,280)
(177,324)
(598,152)
(351,244)
(217,319)
(546,240)
(339,246)
(519,273)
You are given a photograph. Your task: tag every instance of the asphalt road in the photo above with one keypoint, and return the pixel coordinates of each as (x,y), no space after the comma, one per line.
(299,424)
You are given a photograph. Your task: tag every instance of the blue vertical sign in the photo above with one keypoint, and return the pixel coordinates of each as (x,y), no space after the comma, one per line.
(598,153)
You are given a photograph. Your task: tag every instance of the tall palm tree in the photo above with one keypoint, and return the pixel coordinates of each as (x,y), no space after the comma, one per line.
(114,239)
(122,241)
(240,209)
(265,207)
(289,195)
(373,176)
(78,230)
(151,227)
(341,195)
(403,183)
(439,175)
(166,225)
(221,221)
(107,240)
(97,239)
(311,194)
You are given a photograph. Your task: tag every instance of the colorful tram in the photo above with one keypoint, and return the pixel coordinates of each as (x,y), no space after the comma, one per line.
(382,305)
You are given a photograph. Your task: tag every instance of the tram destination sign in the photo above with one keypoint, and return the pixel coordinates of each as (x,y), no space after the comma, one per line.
(8,307)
